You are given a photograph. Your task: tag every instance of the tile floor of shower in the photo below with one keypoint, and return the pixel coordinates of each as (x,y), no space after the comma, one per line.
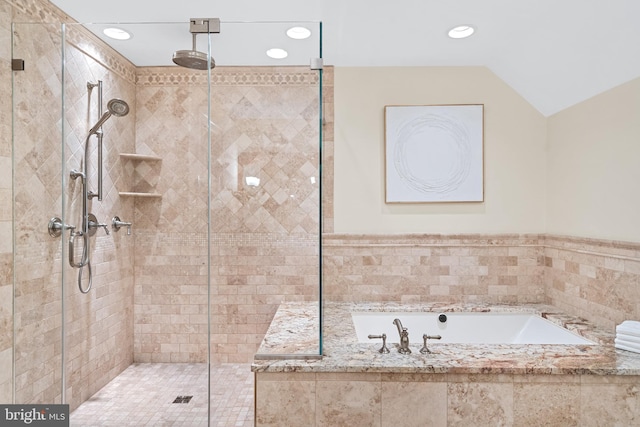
(144,395)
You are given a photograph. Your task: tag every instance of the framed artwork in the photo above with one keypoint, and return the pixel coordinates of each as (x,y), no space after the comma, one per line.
(434,153)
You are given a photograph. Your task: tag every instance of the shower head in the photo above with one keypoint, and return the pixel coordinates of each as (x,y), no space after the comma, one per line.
(116,107)
(193,59)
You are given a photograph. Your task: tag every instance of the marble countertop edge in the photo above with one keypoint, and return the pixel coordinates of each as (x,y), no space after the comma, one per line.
(343,354)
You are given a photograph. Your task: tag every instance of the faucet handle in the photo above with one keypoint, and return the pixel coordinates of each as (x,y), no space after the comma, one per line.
(425,337)
(116,223)
(94,224)
(384,348)
(56,226)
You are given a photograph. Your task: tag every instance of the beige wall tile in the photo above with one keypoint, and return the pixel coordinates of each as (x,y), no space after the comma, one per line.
(348,403)
(280,403)
(588,278)
(480,404)
(6,377)
(264,242)
(412,267)
(414,404)
(546,404)
(609,404)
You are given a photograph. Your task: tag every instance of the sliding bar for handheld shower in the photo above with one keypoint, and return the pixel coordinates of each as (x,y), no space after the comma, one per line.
(99,135)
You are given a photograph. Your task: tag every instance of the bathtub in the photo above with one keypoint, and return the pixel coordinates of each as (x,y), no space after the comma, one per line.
(465,328)
(457,383)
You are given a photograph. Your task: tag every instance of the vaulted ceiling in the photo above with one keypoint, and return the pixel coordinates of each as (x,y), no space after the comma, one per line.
(555,53)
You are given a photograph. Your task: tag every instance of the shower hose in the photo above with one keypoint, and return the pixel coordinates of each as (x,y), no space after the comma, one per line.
(84,260)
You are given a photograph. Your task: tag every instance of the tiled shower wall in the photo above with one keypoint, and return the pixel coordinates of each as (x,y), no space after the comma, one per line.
(265,239)
(264,247)
(170,322)
(267,235)
(98,325)
(6,236)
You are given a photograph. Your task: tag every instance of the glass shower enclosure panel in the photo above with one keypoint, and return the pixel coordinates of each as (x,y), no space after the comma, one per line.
(111,227)
(144,326)
(266,98)
(164,217)
(37,162)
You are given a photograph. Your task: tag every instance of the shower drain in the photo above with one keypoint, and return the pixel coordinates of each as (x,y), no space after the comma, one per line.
(182,399)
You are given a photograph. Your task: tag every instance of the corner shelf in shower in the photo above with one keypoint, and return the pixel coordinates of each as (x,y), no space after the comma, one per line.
(144,158)
(134,194)
(133,156)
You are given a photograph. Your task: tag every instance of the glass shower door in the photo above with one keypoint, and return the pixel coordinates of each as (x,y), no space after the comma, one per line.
(218,173)
(37,165)
(149,306)
(266,112)
(118,331)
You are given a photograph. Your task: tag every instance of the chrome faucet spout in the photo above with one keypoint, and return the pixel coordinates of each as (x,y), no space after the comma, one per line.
(404,337)
(398,323)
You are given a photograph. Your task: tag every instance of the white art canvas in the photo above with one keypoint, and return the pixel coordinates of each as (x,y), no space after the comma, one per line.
(434,153)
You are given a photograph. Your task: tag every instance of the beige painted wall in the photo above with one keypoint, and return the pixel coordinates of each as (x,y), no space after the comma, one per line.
(594,167)
(514,152)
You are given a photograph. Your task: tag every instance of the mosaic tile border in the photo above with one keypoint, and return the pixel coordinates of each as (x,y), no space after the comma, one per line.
(228,76)
(86,42)
(597,247)
(228,239)
(264,239)
(425,240)
(43,11)
(586,246)
(78,36)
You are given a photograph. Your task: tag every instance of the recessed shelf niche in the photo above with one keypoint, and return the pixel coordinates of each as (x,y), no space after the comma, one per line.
(146,172)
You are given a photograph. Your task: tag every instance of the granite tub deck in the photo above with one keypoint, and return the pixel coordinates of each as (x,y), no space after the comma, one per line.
(457,384)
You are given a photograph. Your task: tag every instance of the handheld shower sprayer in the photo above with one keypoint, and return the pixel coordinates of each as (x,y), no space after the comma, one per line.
(115,107)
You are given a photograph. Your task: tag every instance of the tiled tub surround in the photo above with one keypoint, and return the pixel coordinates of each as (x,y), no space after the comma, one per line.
(455,385)
(595,279)
(598,280)
(411,268)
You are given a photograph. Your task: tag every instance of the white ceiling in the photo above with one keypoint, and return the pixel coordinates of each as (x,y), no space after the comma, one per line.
(555,53)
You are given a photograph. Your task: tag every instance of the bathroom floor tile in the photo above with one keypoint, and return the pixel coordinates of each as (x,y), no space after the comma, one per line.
(157,394)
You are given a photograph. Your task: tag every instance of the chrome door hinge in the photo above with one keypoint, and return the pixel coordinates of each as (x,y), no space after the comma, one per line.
(17,64)
(317,64)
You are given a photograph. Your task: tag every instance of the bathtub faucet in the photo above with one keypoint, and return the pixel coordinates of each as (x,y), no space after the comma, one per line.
(404,337)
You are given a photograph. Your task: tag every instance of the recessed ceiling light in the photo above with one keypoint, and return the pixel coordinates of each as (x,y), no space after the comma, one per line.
(116,33)
(277,53)
(252,181)
(461,32)
(299,33)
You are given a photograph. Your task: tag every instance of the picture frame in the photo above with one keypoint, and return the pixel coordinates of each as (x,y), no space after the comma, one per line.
(434,153)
